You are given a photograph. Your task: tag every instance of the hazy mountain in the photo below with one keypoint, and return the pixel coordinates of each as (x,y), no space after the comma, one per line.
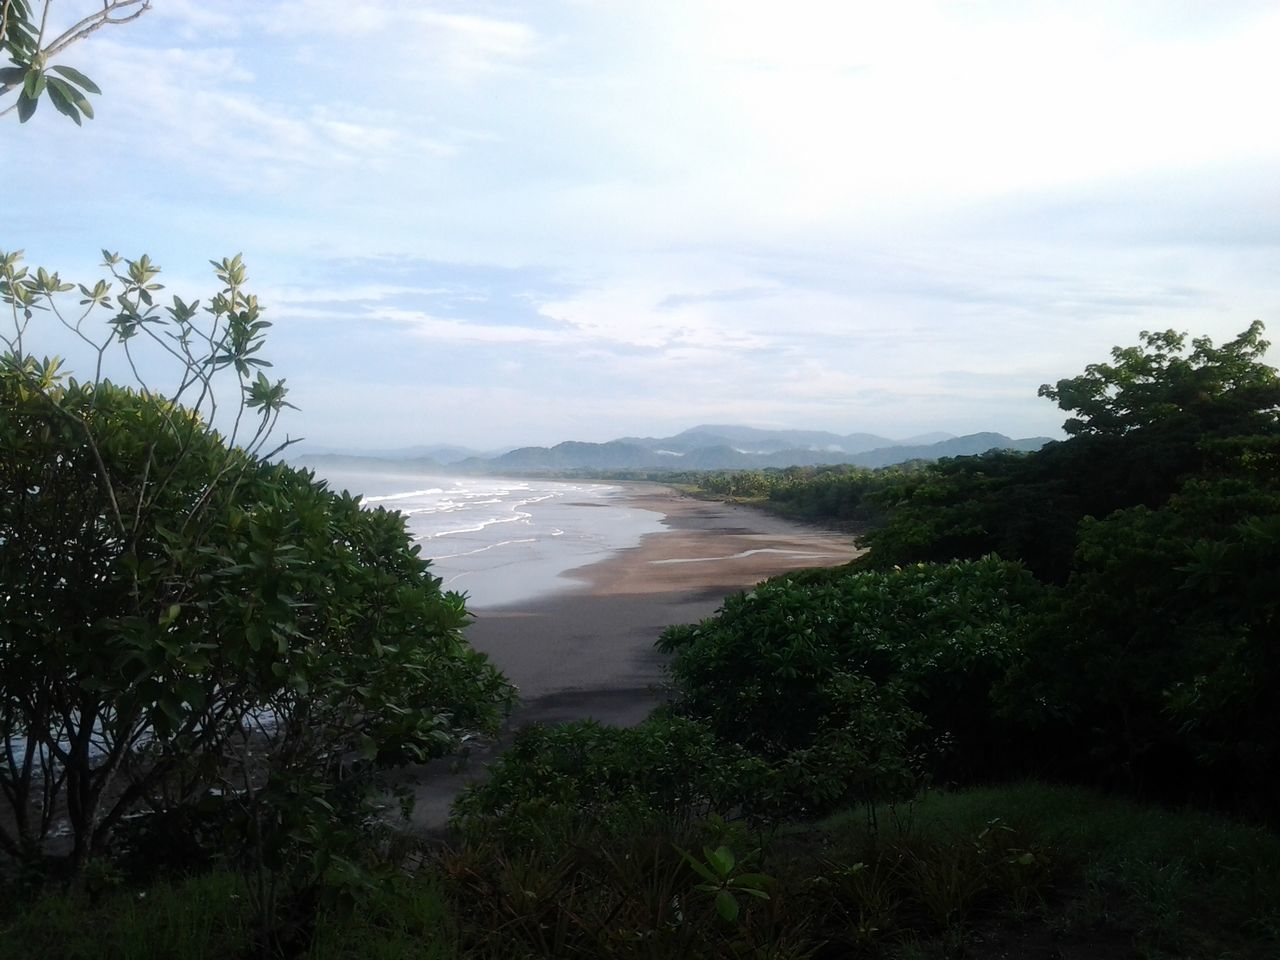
(936,437)
(756,440)
(665,453)
(707,447)
(965,446)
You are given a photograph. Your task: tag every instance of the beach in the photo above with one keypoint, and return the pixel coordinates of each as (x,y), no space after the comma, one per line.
(587,650)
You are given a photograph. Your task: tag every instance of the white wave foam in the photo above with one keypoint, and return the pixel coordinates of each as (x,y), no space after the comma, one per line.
(492,546)
(484,524)
(807,555)
(404,496)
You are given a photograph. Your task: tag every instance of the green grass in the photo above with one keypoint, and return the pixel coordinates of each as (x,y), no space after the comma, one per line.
(205,917)
(209,918)
(1025,870)
(1180,883)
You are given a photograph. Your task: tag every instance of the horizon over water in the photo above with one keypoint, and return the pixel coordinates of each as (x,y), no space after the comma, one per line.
(501,540)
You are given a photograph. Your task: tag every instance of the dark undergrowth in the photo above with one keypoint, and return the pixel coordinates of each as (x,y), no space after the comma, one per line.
(1026,870)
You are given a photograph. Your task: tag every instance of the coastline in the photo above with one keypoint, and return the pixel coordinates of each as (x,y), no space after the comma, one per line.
(587,651)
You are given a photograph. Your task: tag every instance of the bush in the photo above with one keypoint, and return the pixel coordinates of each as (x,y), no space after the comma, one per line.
(784,668)
(554,777)
(1157,667)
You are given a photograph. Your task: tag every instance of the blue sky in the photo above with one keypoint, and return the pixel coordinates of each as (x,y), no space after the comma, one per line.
(508,223)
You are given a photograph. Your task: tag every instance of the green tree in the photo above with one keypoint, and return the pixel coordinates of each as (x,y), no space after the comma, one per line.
(183,618)
(1143,425)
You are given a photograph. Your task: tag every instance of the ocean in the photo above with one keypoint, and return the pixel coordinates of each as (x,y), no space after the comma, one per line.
(502,540)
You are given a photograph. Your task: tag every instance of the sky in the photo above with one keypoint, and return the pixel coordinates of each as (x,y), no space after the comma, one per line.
(498,224)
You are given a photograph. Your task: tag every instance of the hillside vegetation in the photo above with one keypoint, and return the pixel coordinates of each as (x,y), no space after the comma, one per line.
(1032,720)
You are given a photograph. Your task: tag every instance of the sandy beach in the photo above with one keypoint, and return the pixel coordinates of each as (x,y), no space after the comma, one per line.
(588,651)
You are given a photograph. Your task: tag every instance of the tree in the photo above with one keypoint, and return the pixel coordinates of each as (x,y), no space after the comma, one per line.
(185,619)
(31,48)
(1159,386)
(1142,426)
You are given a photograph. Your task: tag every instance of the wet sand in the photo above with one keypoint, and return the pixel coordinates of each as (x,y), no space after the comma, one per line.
(587,651)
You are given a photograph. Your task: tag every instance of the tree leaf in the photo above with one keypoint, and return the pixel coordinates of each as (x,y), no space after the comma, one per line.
(33,83)
(727,906)
(61,102)
(26,107)
(75,100)
(78,78)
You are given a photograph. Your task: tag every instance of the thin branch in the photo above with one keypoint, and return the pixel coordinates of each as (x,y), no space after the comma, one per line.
(93,23)
(4,21)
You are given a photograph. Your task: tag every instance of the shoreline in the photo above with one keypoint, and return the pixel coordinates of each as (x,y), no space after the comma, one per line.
(587,651)
(598,632)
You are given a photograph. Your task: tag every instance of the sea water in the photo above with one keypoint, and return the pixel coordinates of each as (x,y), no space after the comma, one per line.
(497,540)
(502,540)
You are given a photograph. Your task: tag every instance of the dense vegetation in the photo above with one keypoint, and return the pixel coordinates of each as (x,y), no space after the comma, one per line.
(1101,611)
(201,651)
(208,658)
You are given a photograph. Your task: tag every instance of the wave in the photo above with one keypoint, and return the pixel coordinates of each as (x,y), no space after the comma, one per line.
(484,549)
(404,496)
(808,555)
(484,524)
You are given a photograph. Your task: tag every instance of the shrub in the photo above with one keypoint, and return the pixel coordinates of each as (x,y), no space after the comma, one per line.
(553,777)
(781,669)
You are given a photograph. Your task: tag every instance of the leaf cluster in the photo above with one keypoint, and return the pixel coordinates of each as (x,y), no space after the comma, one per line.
(187,623)
(30,50)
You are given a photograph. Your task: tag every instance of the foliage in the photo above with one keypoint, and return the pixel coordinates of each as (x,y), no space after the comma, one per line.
(1161,414)
(1151,666)
(557,775)
(1158,665)
(30,47)
(1020,870)
(209,917)
(833,495)
(620,890)
(186,622)
(849,667)
(1171,395)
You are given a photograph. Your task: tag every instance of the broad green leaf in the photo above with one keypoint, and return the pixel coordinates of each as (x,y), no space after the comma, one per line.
(33,83)
(26,107)
(721,859)
(78,78)
(62,103)
(727,906)
(73,97)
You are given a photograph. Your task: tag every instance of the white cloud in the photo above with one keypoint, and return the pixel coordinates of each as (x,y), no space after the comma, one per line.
(846,214)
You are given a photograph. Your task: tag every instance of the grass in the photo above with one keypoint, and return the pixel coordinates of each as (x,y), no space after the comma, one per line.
(204,917)
(209,918)
(1026,870)
(1176,883)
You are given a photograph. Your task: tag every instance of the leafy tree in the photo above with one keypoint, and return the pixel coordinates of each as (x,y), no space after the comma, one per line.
(183,618)
(30,48)
(1158,665)
(1157,416)
(1159,386)
(796,670)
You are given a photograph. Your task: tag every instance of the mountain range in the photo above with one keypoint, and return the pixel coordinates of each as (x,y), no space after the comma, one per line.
(706,447)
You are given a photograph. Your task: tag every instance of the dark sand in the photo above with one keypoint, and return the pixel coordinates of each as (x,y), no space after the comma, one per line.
(588,651)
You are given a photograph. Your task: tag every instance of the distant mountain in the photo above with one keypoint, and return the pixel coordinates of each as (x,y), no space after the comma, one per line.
(970,445)
(666,453)
(707,447)
(755,440)
(936,437)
